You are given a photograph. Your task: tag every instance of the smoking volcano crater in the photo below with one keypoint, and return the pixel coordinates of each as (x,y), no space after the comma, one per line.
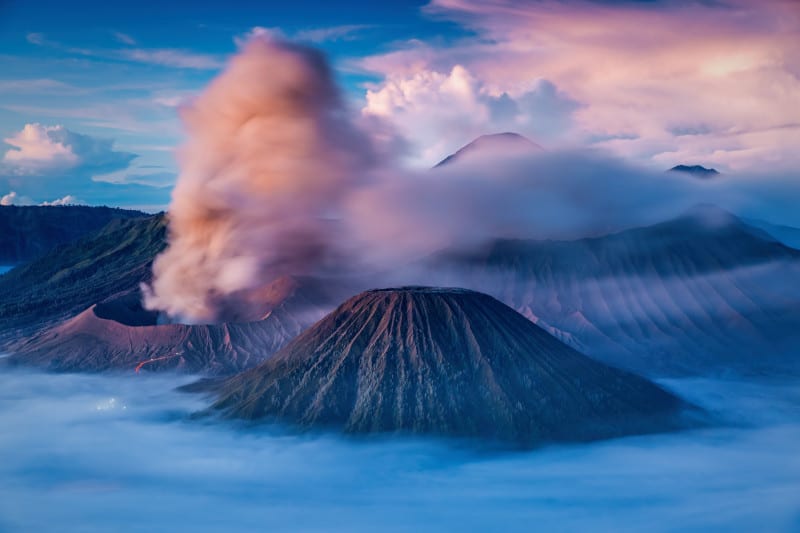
(119,334)
(443,361)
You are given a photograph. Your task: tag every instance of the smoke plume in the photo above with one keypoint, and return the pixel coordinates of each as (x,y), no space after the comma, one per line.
(270,152)
(277,179)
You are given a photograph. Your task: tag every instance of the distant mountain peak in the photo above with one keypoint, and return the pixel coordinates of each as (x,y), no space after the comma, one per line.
(495,143)
(695,170)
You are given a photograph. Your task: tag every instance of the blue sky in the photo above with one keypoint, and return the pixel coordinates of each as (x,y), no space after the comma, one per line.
(656,82)
(117,70)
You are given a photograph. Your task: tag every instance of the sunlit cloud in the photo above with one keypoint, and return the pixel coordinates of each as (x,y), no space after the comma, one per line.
(728,72)
(43,162)
(66,200)
(436,113)
(39,148)
(12,198)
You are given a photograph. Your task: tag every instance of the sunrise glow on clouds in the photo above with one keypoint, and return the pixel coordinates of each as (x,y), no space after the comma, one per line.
(658,83)
(667,82)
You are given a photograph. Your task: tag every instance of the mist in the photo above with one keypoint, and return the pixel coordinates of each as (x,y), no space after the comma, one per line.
(94,453)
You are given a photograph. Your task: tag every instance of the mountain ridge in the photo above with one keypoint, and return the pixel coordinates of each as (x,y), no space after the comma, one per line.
(693,294)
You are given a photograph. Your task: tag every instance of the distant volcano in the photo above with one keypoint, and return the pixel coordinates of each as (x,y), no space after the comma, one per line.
(698,171)
(447,362)
(703,293)
(496,144)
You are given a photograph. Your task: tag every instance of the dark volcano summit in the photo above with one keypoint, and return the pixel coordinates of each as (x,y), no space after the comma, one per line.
(697,171)
(449,362)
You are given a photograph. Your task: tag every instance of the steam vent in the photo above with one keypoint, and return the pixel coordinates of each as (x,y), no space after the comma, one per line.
(447,362)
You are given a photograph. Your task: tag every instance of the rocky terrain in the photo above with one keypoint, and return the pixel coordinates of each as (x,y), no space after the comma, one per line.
(119,335)
(447,362)
(78,308)
(69,279)
(27,232)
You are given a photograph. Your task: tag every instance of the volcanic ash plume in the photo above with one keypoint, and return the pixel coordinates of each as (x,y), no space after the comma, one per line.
(269,155)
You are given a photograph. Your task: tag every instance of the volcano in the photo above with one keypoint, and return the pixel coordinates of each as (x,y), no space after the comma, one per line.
(119,334)
(78,309)
(701,294)
(698,171)
(492,145)
(449,362)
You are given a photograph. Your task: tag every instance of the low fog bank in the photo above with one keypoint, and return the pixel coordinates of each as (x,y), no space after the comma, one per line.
(88,453)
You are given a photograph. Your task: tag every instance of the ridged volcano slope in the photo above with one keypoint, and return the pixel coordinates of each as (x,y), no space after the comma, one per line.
(444,361)
(119,334)
(700,294)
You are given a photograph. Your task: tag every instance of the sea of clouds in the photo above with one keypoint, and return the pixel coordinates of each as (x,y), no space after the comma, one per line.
(90,453)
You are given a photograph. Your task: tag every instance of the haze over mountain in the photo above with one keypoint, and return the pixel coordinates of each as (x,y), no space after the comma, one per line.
(448,362)
(788,235)
(702,293)
(496,145)
(27,232)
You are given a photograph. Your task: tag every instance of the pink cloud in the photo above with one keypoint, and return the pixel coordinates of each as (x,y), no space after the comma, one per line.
(37,147)
(727,72)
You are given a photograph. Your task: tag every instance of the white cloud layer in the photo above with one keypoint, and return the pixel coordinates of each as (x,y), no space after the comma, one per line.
(91,453)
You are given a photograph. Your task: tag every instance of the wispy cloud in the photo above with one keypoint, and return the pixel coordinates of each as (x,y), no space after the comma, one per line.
(36,38)
(344,32)
(123,115)
(38,85)
(169,57)
(40,39)
(124,38)
(331,33)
